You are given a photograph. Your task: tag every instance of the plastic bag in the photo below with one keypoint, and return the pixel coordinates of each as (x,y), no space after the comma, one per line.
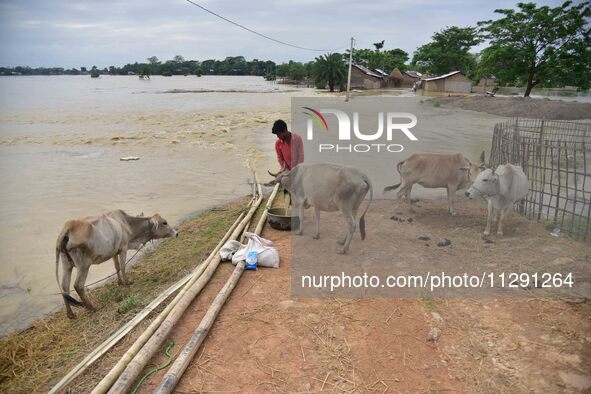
(229,248)
(267,253)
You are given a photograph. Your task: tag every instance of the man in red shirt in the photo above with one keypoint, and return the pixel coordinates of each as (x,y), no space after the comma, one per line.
(289,147)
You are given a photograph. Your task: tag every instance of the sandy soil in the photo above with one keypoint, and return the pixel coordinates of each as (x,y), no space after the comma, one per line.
(523,107)
(264,341)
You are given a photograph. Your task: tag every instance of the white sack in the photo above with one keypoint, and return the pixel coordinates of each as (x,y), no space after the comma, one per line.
(267,253)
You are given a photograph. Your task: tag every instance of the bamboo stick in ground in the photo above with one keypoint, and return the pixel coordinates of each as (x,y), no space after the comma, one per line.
(143,356)
(263,219)
(114,373)
(170,380)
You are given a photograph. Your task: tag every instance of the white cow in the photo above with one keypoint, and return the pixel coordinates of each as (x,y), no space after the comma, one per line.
(96,239)
(502,188)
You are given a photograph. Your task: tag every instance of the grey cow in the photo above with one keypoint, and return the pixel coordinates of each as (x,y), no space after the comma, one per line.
(96,239)
(328,187)
(433,170)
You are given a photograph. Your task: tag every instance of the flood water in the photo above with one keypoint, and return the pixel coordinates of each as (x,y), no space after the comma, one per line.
(61,139)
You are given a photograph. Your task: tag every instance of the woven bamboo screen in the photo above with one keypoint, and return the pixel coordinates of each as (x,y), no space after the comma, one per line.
(556,157)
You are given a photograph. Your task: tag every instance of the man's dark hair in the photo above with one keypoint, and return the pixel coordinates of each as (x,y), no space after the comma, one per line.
(279,126)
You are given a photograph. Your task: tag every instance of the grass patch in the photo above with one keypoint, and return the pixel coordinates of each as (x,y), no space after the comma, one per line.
(428,304)
(128,304)
(35,359)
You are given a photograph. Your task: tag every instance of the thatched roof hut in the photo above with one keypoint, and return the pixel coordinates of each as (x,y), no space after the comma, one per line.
(403,79)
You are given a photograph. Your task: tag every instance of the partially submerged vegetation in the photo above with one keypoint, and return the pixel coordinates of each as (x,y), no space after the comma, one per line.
(35,359)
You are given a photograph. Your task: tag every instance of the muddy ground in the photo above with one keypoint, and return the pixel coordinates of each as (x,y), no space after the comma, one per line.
(523,107)
(265,341)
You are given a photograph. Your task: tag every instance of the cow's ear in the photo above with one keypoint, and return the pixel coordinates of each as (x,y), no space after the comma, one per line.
(154,222)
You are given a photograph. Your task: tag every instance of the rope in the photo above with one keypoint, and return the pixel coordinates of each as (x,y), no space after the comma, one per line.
(109,276)
(149,373)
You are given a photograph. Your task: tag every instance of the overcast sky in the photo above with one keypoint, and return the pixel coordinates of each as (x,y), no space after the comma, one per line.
(115,32)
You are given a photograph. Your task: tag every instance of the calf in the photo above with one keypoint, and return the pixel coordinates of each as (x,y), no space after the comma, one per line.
(433,170)
(96,239)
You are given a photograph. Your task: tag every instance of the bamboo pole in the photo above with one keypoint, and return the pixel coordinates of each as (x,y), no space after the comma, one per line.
(170,380)
(117,336)
(184,358)
(114,373)
(263,219)
(137,364)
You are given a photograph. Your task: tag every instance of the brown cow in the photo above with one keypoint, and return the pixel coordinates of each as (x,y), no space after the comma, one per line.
(96,239)
(433,170)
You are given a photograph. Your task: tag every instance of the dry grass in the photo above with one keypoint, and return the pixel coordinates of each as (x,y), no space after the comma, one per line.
(35,359)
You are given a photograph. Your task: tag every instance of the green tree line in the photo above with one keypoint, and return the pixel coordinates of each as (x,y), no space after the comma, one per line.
(528,46)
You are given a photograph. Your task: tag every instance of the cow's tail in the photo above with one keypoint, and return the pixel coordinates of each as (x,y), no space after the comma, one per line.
(61,247)
(362,219)
(394,187)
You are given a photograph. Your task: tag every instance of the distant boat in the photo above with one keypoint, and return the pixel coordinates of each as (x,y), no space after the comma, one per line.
(94,73)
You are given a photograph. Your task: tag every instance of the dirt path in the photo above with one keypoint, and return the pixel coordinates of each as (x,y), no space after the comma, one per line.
(522,107)
(264,341)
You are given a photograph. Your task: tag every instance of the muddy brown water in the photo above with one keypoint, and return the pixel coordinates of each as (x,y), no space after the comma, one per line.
(61,140)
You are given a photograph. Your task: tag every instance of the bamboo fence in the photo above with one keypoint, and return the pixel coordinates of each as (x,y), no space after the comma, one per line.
(556,157)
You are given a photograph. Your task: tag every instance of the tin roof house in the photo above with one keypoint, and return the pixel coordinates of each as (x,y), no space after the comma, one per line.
(364,78)
(453,82)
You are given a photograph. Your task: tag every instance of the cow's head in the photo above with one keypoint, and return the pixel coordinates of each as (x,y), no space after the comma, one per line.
(159,228)
(485,184)
(471,171)
(283,178)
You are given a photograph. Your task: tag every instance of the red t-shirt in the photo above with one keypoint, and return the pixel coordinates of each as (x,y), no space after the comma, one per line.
(290,154)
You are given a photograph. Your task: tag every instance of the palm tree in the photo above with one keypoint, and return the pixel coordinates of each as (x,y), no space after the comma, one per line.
(331,69)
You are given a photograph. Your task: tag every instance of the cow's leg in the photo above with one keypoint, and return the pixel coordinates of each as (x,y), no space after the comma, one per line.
(80,281)
(300,209)
(122,261)
(66,277)
(352,227)
(451,196)
(502,213)
(490,213)
(317,214)
(117,269)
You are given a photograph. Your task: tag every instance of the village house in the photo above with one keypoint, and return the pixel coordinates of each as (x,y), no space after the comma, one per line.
(364,78)
(403,79)
(452,83)
(485,85)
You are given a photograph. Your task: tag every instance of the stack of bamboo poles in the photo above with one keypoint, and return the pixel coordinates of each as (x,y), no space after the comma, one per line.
(172,377)
(126,371)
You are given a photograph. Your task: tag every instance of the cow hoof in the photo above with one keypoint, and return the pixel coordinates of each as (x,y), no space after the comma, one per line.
(316,237)
(343,252)
(485,234)
(452,213)
(299,232)
(500,234)
(71,316)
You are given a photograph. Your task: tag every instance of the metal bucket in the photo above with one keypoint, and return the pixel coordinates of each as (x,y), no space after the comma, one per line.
(282,219)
